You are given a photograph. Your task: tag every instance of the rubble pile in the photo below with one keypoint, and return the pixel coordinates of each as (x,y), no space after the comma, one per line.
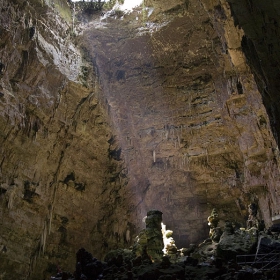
(235,255)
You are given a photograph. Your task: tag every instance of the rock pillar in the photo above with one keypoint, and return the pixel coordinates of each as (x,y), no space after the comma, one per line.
(154,234)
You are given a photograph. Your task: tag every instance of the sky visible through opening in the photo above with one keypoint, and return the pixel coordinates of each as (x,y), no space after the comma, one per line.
(128,4)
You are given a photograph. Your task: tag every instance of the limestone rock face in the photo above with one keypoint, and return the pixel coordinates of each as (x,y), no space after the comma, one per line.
(189,117)
(103,120)
(260,23)
(61,178)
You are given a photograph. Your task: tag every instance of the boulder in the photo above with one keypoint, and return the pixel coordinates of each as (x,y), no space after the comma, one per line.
(238,242)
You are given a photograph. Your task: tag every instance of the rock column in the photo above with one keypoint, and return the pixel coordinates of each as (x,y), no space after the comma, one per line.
(154,235)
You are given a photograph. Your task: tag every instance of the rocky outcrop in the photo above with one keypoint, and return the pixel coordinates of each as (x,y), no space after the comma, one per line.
(106,116)
(150,239)
(239,242)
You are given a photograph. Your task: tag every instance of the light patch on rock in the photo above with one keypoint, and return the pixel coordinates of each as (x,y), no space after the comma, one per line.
(65,57)
(151,27)
(41,57)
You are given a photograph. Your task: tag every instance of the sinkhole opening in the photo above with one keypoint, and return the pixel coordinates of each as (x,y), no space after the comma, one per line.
(122,4)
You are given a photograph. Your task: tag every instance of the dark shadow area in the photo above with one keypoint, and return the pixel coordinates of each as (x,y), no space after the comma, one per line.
(260,23)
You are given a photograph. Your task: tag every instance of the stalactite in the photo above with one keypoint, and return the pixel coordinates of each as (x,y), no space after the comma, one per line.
(154,155)
(188,162)
(11,197)
(50,221)
(127,235)
(43,239)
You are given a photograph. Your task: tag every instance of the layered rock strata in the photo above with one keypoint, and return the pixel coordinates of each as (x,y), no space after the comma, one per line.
(61,176)
(260,22)
(193,130)
(105,119)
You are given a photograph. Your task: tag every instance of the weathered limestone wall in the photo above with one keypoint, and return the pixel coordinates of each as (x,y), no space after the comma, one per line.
(191,123)
(261,24)
(263,171)
(61,181)
(157,109)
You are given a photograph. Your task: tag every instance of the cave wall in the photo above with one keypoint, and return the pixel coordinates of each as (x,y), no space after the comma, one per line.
(61,179)
(260,44)
(106,119)
(191,122)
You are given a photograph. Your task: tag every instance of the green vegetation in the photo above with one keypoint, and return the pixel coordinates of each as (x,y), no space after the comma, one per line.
(63,9)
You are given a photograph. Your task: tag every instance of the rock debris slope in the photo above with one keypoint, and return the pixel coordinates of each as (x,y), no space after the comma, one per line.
(107,116)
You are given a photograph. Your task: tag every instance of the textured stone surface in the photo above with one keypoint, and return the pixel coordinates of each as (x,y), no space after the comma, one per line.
(61,178)
(190,120)
(237,243)
(103,121)
(260,22)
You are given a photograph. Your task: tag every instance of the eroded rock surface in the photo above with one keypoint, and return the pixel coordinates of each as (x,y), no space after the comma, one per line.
(105,119)
(190,119)
(61,176)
